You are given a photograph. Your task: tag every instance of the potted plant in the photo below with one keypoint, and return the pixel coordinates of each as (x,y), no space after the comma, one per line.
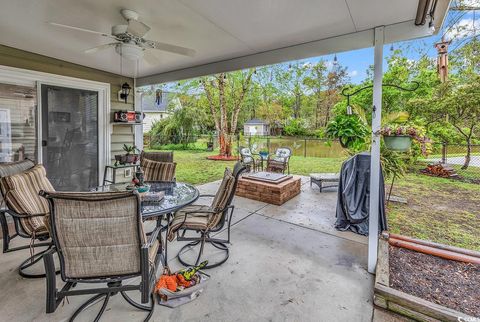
(398,137)
(263,154)
(129,157)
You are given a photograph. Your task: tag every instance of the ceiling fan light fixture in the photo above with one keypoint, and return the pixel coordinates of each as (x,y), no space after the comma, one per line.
(129,51)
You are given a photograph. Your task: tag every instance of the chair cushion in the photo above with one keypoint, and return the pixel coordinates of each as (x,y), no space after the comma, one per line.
(158,171)
(282,154)
(224,191)
(197,221)
(11,168)
(21,195)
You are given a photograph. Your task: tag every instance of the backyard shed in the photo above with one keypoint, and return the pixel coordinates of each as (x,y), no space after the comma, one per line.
(255,127)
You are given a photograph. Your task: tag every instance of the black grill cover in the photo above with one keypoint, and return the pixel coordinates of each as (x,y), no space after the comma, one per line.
(354,193)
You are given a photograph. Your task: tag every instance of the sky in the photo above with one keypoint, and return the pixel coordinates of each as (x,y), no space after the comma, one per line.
(459,26)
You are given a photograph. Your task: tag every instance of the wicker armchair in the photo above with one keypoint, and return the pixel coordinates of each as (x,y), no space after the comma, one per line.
(248,159)
(207,219)
(20,183)
(158,166)
(279,162)
(99,238)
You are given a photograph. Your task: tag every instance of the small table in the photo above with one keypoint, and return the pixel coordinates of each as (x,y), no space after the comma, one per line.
(114,169)
(274,193)
(320,178)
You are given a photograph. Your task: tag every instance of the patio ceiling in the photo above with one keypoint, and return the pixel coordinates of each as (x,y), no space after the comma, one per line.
(226,35)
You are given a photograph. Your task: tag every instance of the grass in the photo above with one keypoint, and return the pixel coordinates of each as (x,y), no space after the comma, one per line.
(441,210)
(438,209)
(194,168)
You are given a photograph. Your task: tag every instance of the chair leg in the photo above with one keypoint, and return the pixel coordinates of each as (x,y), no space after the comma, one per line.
(205,239)
(32,260)
(51,298)
(89,302)
(5,232)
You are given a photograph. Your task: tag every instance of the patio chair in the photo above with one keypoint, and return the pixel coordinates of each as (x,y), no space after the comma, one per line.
(157,156)
(20,183)
(207,219)
(158,166)
(279,162)
(247,158)
(99,238)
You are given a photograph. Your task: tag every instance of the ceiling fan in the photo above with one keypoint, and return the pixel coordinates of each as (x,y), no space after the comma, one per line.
(129,41)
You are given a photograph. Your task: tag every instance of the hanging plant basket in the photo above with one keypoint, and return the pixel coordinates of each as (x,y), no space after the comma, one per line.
(399,143)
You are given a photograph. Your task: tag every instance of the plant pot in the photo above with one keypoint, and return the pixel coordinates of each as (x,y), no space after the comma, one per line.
(399,143)
(131,158)
(121,158)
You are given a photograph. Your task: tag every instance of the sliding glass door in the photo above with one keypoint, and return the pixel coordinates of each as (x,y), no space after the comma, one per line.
(70,139)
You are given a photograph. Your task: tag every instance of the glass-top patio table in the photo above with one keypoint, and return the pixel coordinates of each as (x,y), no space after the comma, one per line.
(177,196)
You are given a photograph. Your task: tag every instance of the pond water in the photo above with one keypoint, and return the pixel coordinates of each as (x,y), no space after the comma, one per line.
(299,146)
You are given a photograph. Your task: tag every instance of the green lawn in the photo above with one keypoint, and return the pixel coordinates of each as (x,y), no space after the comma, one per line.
(193,166)
(441,210)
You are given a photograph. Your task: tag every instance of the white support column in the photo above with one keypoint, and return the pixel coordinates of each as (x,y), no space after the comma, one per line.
(137,99)
(375,151)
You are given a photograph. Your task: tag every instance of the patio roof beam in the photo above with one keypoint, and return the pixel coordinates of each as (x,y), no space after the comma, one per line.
(375,150)
(357,40)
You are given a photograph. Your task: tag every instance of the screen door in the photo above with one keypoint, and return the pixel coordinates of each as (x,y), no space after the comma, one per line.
(70,137)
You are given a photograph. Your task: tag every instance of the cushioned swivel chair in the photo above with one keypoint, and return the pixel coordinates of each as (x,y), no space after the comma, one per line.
(157,166)
(20,183)
(207,219)
(99,239)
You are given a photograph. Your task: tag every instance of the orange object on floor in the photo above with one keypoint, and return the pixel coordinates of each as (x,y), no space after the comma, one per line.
(182,281)
(166,281)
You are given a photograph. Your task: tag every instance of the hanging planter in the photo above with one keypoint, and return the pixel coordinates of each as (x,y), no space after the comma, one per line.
(399,137)
(399,143)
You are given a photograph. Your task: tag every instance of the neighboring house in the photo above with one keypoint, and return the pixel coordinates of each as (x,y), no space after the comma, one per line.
(255,127)
(155,107)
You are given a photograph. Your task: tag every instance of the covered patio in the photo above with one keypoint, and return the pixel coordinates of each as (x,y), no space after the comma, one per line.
(287,263)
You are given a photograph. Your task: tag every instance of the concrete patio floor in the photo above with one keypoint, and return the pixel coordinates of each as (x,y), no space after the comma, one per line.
(287,263)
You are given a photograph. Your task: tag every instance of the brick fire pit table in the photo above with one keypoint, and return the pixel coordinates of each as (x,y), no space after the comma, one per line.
(272,192)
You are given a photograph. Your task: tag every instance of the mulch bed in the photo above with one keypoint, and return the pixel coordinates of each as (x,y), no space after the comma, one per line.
(449,283)
(222,158)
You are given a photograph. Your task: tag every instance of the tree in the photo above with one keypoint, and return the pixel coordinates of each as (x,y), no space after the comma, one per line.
(225,94)
(290,79)
(462,105)
(337,78)
(316,81)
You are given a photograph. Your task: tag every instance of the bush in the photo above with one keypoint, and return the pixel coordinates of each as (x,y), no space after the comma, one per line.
(296,127)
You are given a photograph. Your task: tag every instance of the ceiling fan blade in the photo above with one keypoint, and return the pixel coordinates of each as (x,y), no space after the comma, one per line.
(167,47)
(101,47)
(137,28)
(82,29)
(150,58)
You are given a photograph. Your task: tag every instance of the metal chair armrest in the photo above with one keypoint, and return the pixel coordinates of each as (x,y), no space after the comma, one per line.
(209,196)
(153,236)
(20,216)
